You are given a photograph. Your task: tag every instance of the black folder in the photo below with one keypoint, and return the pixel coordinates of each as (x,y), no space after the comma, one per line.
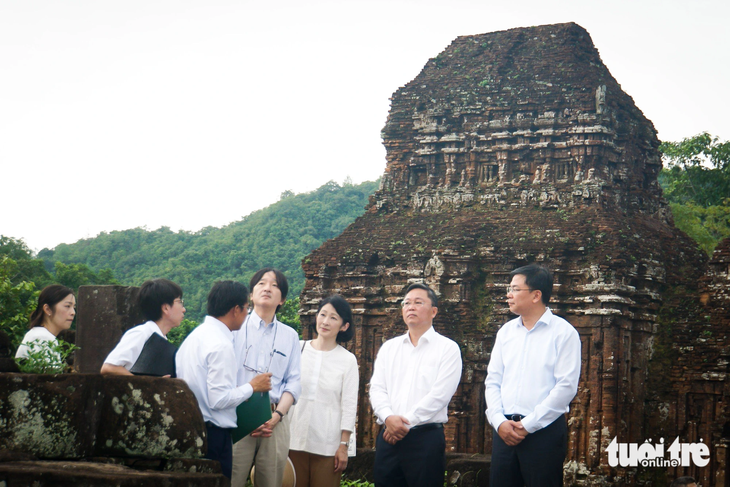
(157,358)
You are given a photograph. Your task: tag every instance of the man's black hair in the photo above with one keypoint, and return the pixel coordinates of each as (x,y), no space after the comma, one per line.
(224,296)
(431,295)
(280,281)
(154,293)
(537,278)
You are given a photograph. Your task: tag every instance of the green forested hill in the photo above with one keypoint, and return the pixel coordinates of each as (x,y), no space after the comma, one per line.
(280,236)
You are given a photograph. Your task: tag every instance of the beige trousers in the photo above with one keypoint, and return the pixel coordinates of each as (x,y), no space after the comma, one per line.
(314,470)
(268,454)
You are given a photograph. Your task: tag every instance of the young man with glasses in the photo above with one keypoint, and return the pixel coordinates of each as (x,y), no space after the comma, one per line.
(532,376)
(264,344)
(162,306)
(206,361)
(414,377)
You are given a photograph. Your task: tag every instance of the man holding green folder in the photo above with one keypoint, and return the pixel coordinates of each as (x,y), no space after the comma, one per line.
(207,362)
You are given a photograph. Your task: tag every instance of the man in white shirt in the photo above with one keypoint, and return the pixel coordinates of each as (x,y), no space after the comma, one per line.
(206,361)
(414,377)
(162,306)
(532,377)
(264,344)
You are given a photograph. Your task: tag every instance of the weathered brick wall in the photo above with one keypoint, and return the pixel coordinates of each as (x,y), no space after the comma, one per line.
(509,148)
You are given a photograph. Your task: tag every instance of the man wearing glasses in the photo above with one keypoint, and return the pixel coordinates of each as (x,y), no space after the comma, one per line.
(161,303)
(414,377)
(532,377)
(206,362)
(264,344)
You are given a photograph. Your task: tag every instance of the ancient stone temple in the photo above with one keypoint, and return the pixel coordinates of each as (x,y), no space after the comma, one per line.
(510,148)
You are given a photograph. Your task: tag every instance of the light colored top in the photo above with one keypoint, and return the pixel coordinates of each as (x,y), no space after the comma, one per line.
(282,358)
(533,372)
(127,351)
(207,362)
(39,335)
(415,382)
(328,402)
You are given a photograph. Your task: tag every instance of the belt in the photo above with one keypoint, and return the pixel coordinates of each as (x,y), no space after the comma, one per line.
(210,424)
(515,417)
(427,427)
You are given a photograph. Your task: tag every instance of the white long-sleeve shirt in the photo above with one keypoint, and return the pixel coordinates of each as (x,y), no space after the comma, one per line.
(533,372)
(415,382)
(328,402)
(269,347)
(207,362)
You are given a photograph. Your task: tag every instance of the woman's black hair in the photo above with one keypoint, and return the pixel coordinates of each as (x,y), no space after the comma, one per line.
(345,311)
(50,295)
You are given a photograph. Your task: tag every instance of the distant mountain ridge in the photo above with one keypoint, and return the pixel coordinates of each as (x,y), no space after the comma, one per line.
(280,236)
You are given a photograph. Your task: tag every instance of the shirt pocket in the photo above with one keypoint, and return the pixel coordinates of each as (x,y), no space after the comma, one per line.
(279,364)
(425,377)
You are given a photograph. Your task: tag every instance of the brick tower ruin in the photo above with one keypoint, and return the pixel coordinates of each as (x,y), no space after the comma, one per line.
(509,148)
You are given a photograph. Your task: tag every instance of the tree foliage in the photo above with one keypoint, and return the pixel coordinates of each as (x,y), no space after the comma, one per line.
(280,236)
(22,276)
(696,182)
(698,170)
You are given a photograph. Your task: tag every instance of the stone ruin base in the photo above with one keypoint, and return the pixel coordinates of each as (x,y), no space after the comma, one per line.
(92,474)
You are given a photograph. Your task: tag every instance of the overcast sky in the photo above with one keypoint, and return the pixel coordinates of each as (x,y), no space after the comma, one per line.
(117,114)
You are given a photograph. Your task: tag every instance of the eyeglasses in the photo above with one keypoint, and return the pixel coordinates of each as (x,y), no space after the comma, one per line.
(271,355)
(181,301)
(513,289)
(418,303)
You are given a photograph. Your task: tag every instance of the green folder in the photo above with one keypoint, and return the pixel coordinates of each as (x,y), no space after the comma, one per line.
(251,414)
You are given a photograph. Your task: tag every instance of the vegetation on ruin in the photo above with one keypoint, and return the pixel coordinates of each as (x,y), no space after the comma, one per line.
(46,357)
(696,182)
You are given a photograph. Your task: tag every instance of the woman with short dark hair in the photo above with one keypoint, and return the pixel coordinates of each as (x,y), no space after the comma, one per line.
(323,421)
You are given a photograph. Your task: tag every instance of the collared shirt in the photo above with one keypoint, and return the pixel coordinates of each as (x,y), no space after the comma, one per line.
(39,336)
(127,351)
(415,382)
(533,372)
(207,362)
(269,347)
(328,403)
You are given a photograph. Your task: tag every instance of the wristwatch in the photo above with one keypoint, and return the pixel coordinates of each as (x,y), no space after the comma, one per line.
(279,413)
(346,443)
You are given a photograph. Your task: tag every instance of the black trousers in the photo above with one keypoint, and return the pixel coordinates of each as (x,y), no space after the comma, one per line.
(537,461)
(220,447)
(418,460)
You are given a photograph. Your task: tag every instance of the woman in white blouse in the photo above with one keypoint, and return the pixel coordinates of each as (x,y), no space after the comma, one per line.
(55,312)
(323,420)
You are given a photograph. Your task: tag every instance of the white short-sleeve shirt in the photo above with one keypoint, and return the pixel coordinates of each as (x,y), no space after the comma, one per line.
(127,351)
(37,334)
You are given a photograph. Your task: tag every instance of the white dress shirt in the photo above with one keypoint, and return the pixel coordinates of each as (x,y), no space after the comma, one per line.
(272,347)
(533,372)
(127,351)
(207,362)
(415,382)
(328,402)
(39,335)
